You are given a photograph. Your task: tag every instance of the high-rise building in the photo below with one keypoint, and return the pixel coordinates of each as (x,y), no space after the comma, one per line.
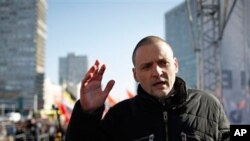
(179,35)
(235,54)
(71,71)
(235,63)
(22,47)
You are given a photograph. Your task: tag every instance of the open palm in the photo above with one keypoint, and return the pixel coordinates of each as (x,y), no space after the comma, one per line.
(92,96)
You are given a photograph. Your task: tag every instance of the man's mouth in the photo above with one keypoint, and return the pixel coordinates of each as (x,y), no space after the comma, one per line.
(160,83)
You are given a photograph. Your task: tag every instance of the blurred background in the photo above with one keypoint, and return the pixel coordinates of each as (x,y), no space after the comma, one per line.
(47,46)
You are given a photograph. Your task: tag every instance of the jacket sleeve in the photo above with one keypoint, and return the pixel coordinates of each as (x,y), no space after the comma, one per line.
(84,126)
(224,126)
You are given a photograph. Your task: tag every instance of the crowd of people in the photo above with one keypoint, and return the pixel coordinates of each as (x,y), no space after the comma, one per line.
(35,129)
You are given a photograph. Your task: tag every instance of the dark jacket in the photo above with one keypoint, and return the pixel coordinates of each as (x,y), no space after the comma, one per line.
(187,115)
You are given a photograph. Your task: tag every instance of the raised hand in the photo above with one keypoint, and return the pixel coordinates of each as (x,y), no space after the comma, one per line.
(92,96)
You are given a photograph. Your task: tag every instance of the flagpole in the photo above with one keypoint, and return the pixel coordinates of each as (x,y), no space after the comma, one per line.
(58,119)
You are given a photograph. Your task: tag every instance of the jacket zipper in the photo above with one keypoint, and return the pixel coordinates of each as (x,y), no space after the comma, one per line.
(183,136)
(165,118)
(150,138)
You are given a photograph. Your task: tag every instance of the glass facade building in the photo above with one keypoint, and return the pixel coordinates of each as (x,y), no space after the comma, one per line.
(22,47)
(179,36)
(71,71)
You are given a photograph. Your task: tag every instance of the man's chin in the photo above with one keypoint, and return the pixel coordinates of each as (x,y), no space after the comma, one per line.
(161,93)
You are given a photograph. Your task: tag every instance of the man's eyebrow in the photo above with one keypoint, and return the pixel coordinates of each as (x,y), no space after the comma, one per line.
(163,59)
(146,63)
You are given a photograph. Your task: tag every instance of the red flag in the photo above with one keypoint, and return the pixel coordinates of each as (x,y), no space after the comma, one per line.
(111,101)
(241,105)
(64,111)
(130,94)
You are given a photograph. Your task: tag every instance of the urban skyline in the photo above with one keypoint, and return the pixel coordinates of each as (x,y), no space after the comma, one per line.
(234,76)
(107,31)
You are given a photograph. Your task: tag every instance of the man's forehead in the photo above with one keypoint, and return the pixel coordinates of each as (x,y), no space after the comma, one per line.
(151,56)
(160,46)
(154,60)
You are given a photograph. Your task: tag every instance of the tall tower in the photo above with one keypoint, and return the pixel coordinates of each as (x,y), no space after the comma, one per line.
(71,71)
(22,47)
(220,31)
(179,35)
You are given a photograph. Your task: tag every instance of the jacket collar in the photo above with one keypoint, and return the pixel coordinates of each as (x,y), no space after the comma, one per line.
(176,100)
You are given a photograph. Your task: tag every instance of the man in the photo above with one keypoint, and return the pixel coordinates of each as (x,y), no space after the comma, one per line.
(162,110)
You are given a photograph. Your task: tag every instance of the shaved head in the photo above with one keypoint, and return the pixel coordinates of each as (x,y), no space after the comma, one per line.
(145,41)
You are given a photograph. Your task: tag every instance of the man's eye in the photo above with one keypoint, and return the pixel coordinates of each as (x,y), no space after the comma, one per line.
(147,66)
(163,63)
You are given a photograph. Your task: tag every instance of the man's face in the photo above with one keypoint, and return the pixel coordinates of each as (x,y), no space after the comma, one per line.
(155,68)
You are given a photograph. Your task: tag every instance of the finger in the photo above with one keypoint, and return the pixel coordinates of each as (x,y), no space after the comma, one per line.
(94,67)
(95,72)
(109,87)
(97,62)
(87,78)
(100,73)
(89,75)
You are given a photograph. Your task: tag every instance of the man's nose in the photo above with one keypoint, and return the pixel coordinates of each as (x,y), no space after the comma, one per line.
(156,71)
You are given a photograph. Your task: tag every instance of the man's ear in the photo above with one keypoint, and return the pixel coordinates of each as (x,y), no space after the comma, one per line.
(134,74)
(176,65)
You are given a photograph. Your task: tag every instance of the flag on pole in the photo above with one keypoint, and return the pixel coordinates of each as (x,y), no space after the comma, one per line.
(66,105)
(69,99)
